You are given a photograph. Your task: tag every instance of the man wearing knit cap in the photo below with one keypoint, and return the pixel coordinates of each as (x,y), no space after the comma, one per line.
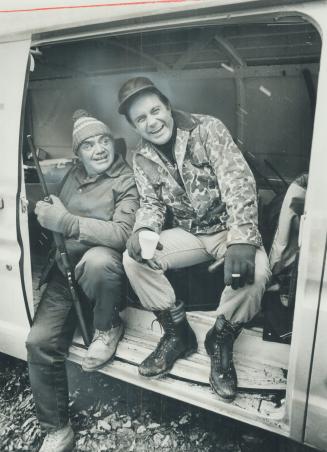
(95,212)
(198,193)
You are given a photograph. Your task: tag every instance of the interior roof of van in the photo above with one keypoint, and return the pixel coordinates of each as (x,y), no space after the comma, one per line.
(188,48)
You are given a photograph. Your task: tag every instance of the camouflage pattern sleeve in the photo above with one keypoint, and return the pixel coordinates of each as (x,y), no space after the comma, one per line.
(152,211)
(237,185)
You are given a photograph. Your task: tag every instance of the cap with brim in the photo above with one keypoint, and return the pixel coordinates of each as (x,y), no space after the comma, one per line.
(130,88)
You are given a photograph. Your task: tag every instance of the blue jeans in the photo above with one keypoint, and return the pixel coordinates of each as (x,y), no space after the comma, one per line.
(99,274)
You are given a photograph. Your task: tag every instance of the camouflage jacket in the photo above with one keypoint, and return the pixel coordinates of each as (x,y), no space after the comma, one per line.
(219,190)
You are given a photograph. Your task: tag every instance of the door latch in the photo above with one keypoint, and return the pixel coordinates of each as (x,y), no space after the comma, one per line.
(23,204)
(302,220)
(2,203)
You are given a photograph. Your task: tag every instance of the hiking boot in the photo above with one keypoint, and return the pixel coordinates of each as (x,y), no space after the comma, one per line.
(102,348)
(178,341)
(219,346)
(59,441)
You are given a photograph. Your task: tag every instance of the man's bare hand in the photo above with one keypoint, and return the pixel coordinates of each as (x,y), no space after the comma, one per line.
(239,265)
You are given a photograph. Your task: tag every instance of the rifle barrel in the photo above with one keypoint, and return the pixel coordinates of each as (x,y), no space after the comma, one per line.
(60,244)
(38,169)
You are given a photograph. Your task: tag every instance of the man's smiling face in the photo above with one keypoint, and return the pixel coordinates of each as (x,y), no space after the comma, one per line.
(97,154)
(151,118)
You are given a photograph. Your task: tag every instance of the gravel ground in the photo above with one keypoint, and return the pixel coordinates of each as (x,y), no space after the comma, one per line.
(108,414)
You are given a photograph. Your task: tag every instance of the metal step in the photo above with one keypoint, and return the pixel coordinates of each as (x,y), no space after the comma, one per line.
(260,365)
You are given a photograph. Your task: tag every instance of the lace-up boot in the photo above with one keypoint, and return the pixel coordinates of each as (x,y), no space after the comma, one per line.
(178,341)
(219,346)
(59,441)
(102,348)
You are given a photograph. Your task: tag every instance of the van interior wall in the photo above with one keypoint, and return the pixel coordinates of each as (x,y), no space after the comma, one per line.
(276,112)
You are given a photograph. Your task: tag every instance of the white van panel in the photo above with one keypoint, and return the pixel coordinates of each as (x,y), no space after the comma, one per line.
(60,15)
(316,433)
(312,259)
(316,410)
(14,323)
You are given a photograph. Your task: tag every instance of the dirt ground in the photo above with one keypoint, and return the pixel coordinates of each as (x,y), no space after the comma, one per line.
(108,414)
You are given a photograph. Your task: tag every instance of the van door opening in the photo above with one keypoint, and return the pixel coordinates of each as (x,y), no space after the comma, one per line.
(260,79)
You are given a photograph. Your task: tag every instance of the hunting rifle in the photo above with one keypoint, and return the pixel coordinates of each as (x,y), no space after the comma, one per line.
(60,244)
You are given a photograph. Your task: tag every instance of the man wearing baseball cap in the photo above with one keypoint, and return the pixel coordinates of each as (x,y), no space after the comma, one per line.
(95,212)
(198,193)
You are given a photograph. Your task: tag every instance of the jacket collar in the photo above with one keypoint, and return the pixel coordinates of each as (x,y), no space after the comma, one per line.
(184,120)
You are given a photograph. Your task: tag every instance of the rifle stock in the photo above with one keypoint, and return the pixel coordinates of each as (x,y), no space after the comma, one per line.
(60,244)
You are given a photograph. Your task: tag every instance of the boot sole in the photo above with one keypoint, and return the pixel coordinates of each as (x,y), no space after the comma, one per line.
(166,371)
(110,360)
(223,399)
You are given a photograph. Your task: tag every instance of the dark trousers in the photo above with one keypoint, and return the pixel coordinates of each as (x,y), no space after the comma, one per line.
(100,275)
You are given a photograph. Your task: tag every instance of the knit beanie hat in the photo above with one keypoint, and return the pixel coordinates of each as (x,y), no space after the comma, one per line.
(85,126)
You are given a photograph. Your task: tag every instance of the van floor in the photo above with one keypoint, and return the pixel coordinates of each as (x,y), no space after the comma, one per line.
(261,367)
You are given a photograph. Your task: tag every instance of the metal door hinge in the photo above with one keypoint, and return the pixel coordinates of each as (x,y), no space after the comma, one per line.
(2,203)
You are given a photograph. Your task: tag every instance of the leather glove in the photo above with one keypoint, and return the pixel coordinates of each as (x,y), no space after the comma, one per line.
(56,217)
(239,260)
(133,246)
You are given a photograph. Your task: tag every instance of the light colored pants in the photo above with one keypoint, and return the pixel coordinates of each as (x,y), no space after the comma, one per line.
(182,249)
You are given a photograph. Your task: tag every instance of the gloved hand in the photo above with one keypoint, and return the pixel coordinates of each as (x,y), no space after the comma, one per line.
(133,246)
(239,260)
(56,217)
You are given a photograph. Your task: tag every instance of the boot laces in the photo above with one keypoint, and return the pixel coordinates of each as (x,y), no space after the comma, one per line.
(163,346)
(154,321)
(217,361)
(103,336)
(216,357)
(100,336)
(169,333)
(165,326)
